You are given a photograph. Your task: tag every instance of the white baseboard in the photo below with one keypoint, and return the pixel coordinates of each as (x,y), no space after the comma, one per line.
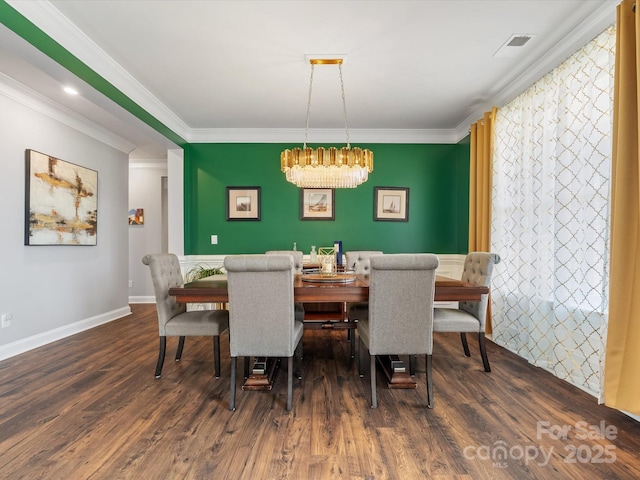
(143,299)
(35,341)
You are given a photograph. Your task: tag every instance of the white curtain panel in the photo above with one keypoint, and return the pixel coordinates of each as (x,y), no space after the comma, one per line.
(550,217)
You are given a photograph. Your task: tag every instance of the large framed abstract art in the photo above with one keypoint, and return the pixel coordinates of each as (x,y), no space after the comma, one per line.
(61,202)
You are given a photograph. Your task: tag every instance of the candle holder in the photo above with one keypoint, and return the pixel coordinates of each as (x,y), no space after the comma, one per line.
(327,261)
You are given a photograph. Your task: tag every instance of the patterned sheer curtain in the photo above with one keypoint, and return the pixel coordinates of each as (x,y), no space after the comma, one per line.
(550,225)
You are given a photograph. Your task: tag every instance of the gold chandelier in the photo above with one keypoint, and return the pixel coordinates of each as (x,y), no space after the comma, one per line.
(331,167)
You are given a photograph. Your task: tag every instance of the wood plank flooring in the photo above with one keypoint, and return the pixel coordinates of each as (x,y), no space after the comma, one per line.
(89,407)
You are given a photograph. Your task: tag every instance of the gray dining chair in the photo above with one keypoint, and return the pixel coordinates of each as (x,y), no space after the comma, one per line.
(262,317)
(173,317)
(399,320)
(298,257)
(298,260)
(470,317)
(360,263)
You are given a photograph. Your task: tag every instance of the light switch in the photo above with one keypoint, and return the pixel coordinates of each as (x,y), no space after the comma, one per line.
(214,239)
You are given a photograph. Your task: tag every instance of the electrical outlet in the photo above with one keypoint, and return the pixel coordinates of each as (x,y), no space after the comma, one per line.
(6,320)
(130,283)
(214,239)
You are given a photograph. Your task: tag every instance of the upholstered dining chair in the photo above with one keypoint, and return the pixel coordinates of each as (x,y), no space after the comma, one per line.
(297,255)
(262,316)
(399,320)
(173,317)
(298,259)
(470,317)
(360,263)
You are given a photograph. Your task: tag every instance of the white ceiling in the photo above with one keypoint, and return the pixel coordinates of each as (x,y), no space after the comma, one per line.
(236,71)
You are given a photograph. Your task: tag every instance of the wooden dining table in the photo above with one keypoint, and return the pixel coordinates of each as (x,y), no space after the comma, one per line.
(214,290)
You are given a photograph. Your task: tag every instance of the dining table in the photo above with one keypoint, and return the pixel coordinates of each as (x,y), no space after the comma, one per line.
(340,288)
(213,289)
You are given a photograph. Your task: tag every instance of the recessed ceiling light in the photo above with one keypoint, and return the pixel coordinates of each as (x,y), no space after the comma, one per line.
(70,90)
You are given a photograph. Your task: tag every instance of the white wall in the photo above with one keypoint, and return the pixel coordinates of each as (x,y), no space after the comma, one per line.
(144,192)
(175,164)
(54,291)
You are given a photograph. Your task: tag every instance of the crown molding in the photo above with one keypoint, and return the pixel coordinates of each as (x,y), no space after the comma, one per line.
(148,166)
(46,17)
(23,95)
(49,19)
(586,31)
(296,135)
(596,23)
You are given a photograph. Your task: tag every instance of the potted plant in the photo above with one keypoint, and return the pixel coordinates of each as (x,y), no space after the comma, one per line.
(203,271)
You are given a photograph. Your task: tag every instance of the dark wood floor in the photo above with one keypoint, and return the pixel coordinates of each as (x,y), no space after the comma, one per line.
(89,407)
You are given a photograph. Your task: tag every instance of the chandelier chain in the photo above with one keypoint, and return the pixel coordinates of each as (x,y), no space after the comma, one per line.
(306,130)
(344,106)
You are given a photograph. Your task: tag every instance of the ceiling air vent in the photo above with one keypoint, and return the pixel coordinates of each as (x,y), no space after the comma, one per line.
(512,46)
(518,41)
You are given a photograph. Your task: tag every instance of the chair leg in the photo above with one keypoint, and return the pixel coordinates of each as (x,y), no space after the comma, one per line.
(361,350)
(412,365)
(247,360)
(374,397)
(232,393)
(289,382)
(353,340)
(163,349)
(179,350)
(429,382)
(465,345)
(216,354)
(483,352)
(299,360)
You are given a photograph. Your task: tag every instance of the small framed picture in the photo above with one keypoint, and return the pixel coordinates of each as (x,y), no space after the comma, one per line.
(243,203)
(391,204)
(317,204)
(136,216)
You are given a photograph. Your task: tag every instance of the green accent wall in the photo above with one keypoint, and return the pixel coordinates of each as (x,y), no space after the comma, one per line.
(437,176)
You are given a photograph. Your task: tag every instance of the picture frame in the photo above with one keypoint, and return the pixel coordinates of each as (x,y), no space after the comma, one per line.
(390,204)
(243,203)
(317,204)
(61,202)
(136,216)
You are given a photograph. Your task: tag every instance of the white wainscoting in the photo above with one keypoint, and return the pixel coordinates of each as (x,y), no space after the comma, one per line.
(451,265)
